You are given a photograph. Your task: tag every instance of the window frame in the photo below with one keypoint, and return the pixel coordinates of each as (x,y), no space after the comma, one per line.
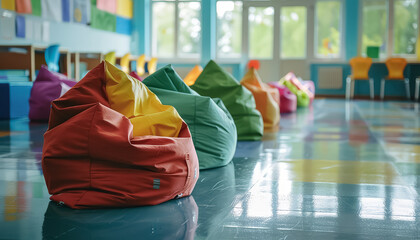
(186,58)
(389,52)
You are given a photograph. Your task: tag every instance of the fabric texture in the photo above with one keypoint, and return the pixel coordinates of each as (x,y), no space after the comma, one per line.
(217,83)
(267,99)
(111,143)
(288,100)
(212,127)
(47,87)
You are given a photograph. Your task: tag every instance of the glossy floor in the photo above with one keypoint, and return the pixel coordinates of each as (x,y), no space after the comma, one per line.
(336,171)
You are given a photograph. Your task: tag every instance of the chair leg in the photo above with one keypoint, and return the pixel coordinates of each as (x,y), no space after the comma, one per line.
(407,87)
(416,95)
(382,88)
(372,93)
(348,86)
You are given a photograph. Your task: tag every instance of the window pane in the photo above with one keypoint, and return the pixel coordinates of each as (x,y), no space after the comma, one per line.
(293,32)
(229,28)
(328,29)
(375,25)
(164,29)
(261,21)
(189,28)
(405,26)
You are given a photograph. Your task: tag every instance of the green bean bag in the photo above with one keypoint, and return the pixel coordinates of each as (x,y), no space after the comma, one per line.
(212,127)
(303,99)
(216,82)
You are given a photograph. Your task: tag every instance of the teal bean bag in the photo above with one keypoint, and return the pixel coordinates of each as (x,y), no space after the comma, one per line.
(211,125)
(216,82)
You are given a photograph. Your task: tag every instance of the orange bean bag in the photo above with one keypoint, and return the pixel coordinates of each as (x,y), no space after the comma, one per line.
(111,143)
(193,75)
(267,99)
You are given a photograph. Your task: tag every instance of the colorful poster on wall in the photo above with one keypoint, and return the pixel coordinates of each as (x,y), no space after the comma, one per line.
(123,25)
(51,10)
(24,6)
(20,26)
(103,20)
(65,4)
(125,8)
(107,5)
(7,25)
(8,4)
(36,7)
(81,11)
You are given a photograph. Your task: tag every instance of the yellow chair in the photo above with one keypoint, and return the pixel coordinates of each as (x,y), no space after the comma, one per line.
(193,75)
(125,63)
(110,57)
(360,71)
(395,68)
(151,65)
(140,65)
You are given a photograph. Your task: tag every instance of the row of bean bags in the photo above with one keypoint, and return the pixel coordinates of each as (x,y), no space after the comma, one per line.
(217,83)
(128,121)
(111,143)
(47,87)
(211,125)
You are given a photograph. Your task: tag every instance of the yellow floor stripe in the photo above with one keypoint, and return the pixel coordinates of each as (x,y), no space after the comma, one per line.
(348,172)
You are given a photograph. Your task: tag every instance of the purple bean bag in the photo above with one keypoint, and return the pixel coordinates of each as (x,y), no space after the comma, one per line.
(47,87)
(310,86)
(288,100)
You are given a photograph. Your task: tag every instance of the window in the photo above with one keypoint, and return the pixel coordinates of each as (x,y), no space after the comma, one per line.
(176,29)
(229,29)
(261,26)
(375,25)
(293,32)
(402,25)
(328,29)
(405,26)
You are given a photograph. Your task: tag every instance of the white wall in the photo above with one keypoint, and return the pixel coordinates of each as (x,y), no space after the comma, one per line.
(77,37)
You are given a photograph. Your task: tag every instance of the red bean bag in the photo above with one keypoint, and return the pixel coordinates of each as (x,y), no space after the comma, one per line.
(288,100)
(111,143)
(135,75)
(47,87)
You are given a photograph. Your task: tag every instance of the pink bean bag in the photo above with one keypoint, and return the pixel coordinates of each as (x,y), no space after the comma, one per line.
(47,87)
(288,101)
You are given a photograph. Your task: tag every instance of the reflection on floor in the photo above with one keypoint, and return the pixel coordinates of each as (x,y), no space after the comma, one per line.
(336,171)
